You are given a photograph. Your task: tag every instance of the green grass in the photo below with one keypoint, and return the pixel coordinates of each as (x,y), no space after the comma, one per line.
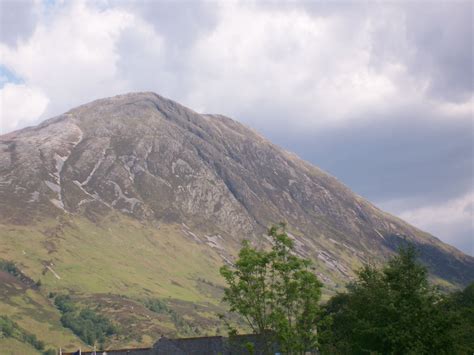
(34,313)
(10,346)
(118,256)
(115,265)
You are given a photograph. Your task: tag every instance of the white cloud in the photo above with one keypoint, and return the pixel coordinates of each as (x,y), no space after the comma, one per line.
(451,220)
(318,67)
(449,212)
(256,63)
(455,110)
(20,106)
(72,56)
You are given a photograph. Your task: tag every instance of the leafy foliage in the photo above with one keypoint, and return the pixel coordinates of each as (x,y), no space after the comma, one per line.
(64,303)
(156,305)
(276,293)
(392,310)
(10,267)
(91,327)
(459,308)
(182,325)
(11,329)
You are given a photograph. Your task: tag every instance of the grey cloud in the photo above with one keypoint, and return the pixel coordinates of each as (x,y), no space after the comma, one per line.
(461,237)
(180,22)
(432,39)
(441,38)
(459,234)
(153,67)
(469,208)
(402,156)
(405,161)
(352,9)
(17,20)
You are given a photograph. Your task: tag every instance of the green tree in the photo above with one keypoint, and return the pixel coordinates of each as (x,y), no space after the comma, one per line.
(459,308)
(392,310)
(86,323)
(276,292)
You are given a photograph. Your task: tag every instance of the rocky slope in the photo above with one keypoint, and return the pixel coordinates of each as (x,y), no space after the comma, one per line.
(148,160)
(158,161)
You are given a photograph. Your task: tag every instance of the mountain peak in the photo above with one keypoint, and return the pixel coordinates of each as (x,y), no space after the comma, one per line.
(158,162)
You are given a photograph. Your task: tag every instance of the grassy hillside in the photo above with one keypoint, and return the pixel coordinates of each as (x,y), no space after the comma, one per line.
(148,280)
(14,347)
(33,313)
(116,267)
(118,256)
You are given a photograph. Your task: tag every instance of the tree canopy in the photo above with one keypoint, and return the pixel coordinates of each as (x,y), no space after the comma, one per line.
(388,310)
(276,292)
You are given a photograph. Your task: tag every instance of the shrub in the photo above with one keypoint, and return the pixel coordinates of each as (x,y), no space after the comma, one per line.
(11,329)
(157,306)
(10,267)
(85,323)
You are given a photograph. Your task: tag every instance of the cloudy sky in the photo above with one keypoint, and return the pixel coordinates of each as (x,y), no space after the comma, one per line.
(378,94)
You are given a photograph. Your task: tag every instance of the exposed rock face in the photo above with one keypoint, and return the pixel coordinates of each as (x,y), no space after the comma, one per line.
(160,162)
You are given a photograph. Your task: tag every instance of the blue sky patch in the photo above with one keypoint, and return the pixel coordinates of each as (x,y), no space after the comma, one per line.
(7,76)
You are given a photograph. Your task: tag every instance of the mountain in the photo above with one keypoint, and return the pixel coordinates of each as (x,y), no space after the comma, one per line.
(136,196)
